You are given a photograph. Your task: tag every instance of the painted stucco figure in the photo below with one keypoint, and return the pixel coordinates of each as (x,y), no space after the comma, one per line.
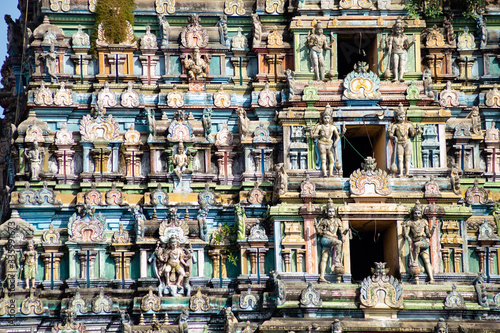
(401,132)
(172,264)
(30,260)
(418,233)
(397,46)
(180,161)
(317,42)
(332,234)
(328,137)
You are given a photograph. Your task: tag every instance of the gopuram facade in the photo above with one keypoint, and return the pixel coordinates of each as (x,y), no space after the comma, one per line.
(250,166)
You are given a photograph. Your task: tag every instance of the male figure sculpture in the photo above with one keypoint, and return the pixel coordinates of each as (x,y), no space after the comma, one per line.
(317,42)
(34,159)
(397,46)
(180,161)
(420,232)
(401,131)
(332,233)
(328,136)
(30,259)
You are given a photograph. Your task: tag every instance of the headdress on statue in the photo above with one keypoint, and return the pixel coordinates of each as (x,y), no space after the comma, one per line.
(327,111)
(398,24)
(329,206)
(400,110)
(417,207)
(318,25)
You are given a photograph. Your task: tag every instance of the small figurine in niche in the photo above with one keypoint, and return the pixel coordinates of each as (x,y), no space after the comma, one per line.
(196,65)
(180,161)
(35,162)
(397,46)
(30,259)
(50,58)
(421,233)
(332,234)
(475,118)
(401,131)
(317,42)
(327,135)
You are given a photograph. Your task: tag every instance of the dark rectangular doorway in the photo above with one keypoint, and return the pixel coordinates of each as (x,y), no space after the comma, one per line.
(359,142)
(354,47)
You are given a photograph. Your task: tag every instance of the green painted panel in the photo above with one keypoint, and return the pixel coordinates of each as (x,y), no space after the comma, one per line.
(175,65)
(215,66)
(135,266)
(208,266)
(269,262)
(109,268)
(473,261)
(64,267)
(494,66)
(303,52)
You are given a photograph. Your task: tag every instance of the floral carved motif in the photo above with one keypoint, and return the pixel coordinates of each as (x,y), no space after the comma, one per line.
(175,98)
(222,99)
(381,290)
(369,180)
(63,96)
(130,97)
(92,129)
(234,7)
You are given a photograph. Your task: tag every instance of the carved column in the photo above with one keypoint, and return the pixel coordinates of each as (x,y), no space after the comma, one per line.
(149,61)
(83,254)
(293,242)
(100,154)
(81,59)
(219,258)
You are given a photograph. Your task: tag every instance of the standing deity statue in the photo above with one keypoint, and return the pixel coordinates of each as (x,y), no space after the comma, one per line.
(397,46)
(317,42)
(30,259)
(243,124)
(332,234)
(327,135)
(11,264)
(421,233)
(475,118)
(256,30)
(239,41)
(173,268)
(207,124)
(50,58)
(180,161)
(33,156)
(401,132)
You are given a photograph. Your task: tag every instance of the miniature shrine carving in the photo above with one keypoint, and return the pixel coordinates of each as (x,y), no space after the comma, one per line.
(493,97)
(240,42)
(421,232)
(369,180)
(361,83)
(267,98)
(193,35)
(80,38)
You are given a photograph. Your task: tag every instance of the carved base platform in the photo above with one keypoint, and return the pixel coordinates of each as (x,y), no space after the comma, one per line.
(93,283)
(184,185)
(252,279)
(48,285)
(101,177)
(146,282)
(217,283)
(123,284)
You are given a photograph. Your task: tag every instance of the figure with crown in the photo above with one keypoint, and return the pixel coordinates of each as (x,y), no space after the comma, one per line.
(327,135)
(397,46)
(418,233)
(317,42)
(401,132)
(332,234)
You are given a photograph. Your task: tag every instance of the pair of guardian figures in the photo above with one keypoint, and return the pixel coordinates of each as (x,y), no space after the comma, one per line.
(332,237)
(326,135)
(397,45)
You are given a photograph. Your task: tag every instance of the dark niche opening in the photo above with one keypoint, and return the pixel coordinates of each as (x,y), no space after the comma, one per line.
(373,241)
(355,47)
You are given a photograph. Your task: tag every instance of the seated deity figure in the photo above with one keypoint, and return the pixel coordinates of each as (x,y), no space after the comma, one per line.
(328,137)
(418,233)
(397,46)
(196,66)
(181,161)
(317,42)
(401,132)
(332,234)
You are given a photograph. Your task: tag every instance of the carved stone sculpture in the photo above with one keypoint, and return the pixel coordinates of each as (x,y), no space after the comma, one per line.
(332,233)
(492,98)
(43,95)
(418,228)
(34,158)
(164,29)
(181,161)
(243,124)
(196,65)
(165,6)
(30,260)
(401,132)
(222,99)
(130,98)
(173,268)
(428,85)
(207,124)
(361,84)
(148,40)
(384,4)
(50,59)
(310,297)
(281,180)
(230,321)
(381,292)
(275,38)
(175,98)
(256,30)
(448,97)
(267,98)
(326,135)
(317,42)
(397,46)
(193,35)
(59,5)
(239,41)
(475,118)
(80,38)
(63,97)
(275,6)
(234,7)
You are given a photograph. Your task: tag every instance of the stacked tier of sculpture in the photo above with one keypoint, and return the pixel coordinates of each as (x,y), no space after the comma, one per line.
(250,165)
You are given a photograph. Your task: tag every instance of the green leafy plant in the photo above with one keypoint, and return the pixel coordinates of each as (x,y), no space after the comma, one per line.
(113,14)
(226,235)
(434,8)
